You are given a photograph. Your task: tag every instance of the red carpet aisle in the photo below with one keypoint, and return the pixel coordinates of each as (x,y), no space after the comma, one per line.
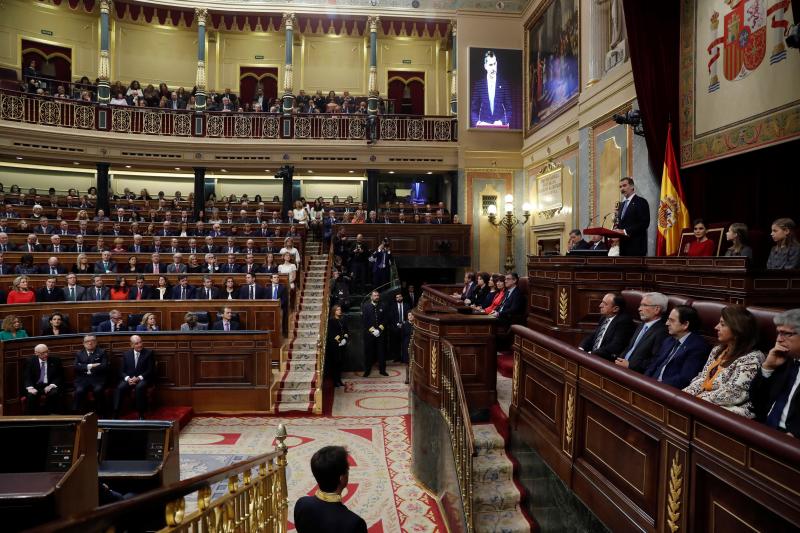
(381,489)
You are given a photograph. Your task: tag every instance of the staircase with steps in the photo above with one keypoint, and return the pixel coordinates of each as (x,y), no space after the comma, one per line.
(297,382)
(495,496)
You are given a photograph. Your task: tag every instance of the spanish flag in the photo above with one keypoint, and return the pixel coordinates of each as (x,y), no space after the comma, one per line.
(673,215)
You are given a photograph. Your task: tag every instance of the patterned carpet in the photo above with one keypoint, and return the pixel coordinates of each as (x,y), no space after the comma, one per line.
(370,418)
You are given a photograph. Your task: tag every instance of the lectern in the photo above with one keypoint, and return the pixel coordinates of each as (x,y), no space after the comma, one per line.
(48,469)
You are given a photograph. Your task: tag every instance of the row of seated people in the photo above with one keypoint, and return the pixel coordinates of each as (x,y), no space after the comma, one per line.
(784,253)
(22,293)
(667,345)
(497,295)
(137,243)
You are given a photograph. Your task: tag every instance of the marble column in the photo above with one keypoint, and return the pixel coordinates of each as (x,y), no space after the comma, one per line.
(200,80)
(288,77)
(454,75)
(104,66)
(372,87)
(598,40)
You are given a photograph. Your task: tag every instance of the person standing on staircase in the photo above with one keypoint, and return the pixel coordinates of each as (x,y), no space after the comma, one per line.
(336,350)
(374,319)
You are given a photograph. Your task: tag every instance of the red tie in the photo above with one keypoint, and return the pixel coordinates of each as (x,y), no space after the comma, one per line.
(139,294)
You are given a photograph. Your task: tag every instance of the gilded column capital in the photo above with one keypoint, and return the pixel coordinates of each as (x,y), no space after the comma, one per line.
(202,15)
(373,24)
(453,27)
(289,20)
(105,6)
(104,67)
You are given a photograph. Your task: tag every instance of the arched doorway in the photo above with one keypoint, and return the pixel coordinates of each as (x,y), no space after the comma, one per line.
(407,91)
(253,78)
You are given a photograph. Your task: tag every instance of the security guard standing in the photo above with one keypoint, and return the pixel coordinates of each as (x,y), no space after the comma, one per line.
(374,319)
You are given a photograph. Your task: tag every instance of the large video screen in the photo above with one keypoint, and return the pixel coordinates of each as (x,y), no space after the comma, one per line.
(495,89)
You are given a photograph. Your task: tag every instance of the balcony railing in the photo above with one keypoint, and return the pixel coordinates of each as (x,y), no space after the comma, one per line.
(67,113)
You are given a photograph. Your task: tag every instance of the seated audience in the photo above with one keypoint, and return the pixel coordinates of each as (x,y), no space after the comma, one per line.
(613,247)
(774,390)
(648,337)
(140,290)
(20,293)
(50,293)
(324,512)
(467,292)
(512,308)
(190,323)
(288,267)
(613,332)
(138,373)
(12,329)
(229,291)
(56,325)
(72,291)
(785,254)
(105,265)
(98,291)
(597,243)
(737,236)
(493,298)
(208,291)
(113,324)
(478,297)
(732,364)
(576,241)
(162,289)
(226,323)
(133,266)
(682,357)
(120,290)
(82,265)
(183,291)
(26,266)
(148,323)
(42,380)
(91,373)
(701,246)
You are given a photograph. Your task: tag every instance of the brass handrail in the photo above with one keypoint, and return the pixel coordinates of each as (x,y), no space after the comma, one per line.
(257,502)
(322,341)
(455,411)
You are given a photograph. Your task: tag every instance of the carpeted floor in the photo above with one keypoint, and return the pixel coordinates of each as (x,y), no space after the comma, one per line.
(370,417)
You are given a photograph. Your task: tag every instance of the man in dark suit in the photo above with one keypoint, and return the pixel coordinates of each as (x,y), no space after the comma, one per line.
(155,266)
(183,291)
(325,512)
(683,355)
(50,293)
(381,264)
(140,291)
(105,265)
(613,332)
(208,291)
(5,268)
(230,266)
(276,291)
(226,323)
(327,226)
(53,267)
(490,97)
(468,290)
(633,218)
(397,315)
(597,243)
(5,246)
(43,377)
(648,337)
(97,292)
(576,241)
(44,227)
(251,290)
(113,324)
(512,309)
(72,291)
(91,369)
(55,246)
(774,390)
(31,245)
(138,246)
(374,321)
(137,372)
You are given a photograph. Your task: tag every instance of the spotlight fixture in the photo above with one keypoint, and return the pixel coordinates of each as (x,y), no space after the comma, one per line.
(177,168)
(19,158)
(224,169)
(429,172)
(310,171)
(632,118)
(75,163)
(391,172)
(127,166)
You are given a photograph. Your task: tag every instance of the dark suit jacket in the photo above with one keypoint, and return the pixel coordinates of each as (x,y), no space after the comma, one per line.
(764,392)
(147,292)
(98,267)
(106,327)
(227,268)
(373,316)
(217,325)
(176,292)
(616,338)
(25,248)
(513,309)
(55,372)
(56,295)
(393,319)
(244,292)
(45,269)
(99,373)
(647,348)
(635,223)
(200,293)
(312,515)
(282,295)
(90,294)
(145,367)
(480,107)
(79,292)
(142,249)
(469,294)
(685,364)
(148,268)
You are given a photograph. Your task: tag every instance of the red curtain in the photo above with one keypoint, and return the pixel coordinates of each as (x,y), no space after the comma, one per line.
(53,61)
(412,101)
(251,77)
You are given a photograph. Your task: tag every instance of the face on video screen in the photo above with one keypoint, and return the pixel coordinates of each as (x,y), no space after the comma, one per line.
(495,89)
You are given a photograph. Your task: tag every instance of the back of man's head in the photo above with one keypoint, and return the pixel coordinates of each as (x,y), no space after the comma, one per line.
(328,465)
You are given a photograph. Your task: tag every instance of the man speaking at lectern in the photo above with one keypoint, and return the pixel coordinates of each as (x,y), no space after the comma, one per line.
(491,99)
(633,218)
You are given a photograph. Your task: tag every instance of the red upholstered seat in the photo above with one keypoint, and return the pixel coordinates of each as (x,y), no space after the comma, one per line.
(766,326)
(709,312)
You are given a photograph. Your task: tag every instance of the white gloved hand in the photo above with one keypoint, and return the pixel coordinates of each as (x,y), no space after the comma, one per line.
(342,342)
(376,332)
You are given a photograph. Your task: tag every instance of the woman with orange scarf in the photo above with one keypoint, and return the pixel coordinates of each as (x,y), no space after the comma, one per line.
(732,365)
